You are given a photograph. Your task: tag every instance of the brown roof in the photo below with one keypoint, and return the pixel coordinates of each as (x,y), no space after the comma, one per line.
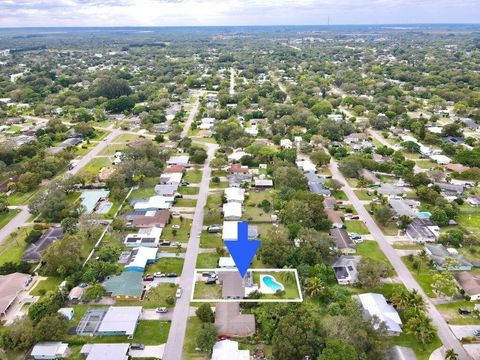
(231,322)
(334,216)
(329,202)
(237,168)
(370,176)
(10,286)
(342,240)
(173,169)
(138,142)
(459,168)
(468,282)
(159,218)
(106,173)
(232,285)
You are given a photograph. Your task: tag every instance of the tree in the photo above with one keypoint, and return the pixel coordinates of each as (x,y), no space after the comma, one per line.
(218,163)
(207,337)
(323,107)
(119,105)
(94,292)
(320,158)
(205,313)
(47,305)
(444,284)
(3,203)
(350,166)
(383,214)
(287,344)
(370,272)
(314,287)
(18,336)
(54,256)
(411,146)
(450,354)
(453,237)
(111,87)
(338,349)
(289,178)
(421,328)
(439,216)
(276,249)
(51,328)
(405,299)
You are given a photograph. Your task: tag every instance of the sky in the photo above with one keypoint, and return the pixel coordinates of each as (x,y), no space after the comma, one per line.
(26,13)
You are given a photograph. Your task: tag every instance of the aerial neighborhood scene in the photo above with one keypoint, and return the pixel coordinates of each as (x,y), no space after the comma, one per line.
(240,180)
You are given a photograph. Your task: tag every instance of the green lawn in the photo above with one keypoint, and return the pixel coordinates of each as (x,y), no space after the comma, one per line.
(5,217)
(125,138)
(12,249)
(422,352)
(113,148)
(218,185)
(18,198)
(469,220)
(363,195)
(95,165)
(450,313)
(423,275)
(155,297)
(208,240)
(183,233)
(193,329)
(289,282)
(193,176)
(214,200)
(356,226)
(166,265)
(44,286)
(142,193)
(203,291)
(390,229)
(256,197)
(185,202)
(339,195)
(426,164)
(256,214)
(188,190)
(370,249)
(207,260)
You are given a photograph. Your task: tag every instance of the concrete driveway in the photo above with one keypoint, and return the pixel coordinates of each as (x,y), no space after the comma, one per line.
(461,331)
(151,351)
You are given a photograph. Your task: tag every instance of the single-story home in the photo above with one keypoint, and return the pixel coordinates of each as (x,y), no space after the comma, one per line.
(178,160)
(157,202)
(238,179)
(67,312)
(174,169)
(470,283)
(263,183)
(75,295)
(345,268)
(149,237)
(441,159)
(458,168)
(50,350)
(226,262)
(140,257)
(11,286)
(230,231)
(171,178)
(126,286)
(403,207)
(147,218)
(343,242)
(34,251)
(369,176)
(376,305)
(231,322)
(450,189)
(233,286)
(306,166)
(232,211)
(439,255)
(238,169)
(228,350)
(166,189)
(422,230)
(116,351)
(335,217)
(120,320)
(234,194)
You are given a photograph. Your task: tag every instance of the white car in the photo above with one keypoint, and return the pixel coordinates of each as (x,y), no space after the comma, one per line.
(161,310)
(158,275)
(178,294)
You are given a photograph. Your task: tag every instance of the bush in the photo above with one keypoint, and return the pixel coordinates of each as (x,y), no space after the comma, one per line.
(33,236)
(170,300)
(205,313)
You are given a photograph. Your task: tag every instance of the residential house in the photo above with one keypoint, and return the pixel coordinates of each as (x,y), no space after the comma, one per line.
(470,284)
(238,179)
(236,155)
(355,138)
(403,207)
(155,203)
(232,211)
(329,203)
(179,160)
(117,351)
(474,200)
(238,169)
(126,286)
(166,189)
(76,294)
(50,350)
(140,257)
(262,183)
(230,231)
(11,286)
(376,305)
(146,237)
(120,320)
(68,312)
(226,262)
(174,169)
(231,322)
(147,218)
(450,189)
(343,242)
(440,255)
(306,166)
(232,283)
(390,190)
(441,159)
(335,217)
(345,268)
(370,176)
(171,178)
(286,143)
(234,194)
(228,350)
(422,230)
(458,168)
(34,251)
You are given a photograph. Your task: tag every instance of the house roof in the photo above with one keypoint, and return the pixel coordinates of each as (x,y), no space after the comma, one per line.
(459,168)
(171,178)
(419,228)
(121,319)
(334,216)
(230,321)
(450,187)
(49,349)
(238,168)
(370,176)
(139,257)
(128,283)
(10,286)
(232,210)
(149,218)
(232,284)
(228,350)
(166,189)
(376,305)
(173,169)
(317,188)
(105,351)
(263,182)
(235,194)
(439,255)
(389,189)
(346,265)
(34,251)
(178,160)
(230,231)
(401,207)
(401,353)
(329,202)
(342,240)
(469,282)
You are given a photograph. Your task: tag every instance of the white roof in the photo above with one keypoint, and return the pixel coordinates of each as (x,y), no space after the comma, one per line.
(237,155)
(155,202)
(66,311)
(232,210)
(230,230)
(226,262)
(49,349)
(375,304)
(105,351)
(441,159)
(121,319)
(228,350)
(171,178)
(306,166)
(180,160)
(235,194)
(143,255)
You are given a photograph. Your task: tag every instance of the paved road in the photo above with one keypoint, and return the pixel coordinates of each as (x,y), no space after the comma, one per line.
(20,219)
(176,336)
(232,81)
(191,116)
(447,337)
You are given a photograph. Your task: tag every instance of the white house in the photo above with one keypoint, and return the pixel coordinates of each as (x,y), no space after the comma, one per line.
(228,350)
(234,194)
(145,237)
(376,305)
(50,350)
(232,211)
(306,166)
(226,262)
(236,155)
(178,160)
(441,159)
(155,203)
(286,143)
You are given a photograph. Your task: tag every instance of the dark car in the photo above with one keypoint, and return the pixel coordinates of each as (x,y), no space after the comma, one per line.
(165,243)
(207,274)
(212,229)
(184,183)
(210,281)
(137,346)
(171,275)
(148,278)
(463,311)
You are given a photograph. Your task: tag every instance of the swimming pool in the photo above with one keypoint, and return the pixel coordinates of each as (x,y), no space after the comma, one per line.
(424,215)
(104,208)
(268,285)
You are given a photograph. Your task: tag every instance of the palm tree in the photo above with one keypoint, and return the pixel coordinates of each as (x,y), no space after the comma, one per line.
(287,276)
(314,286)
(421,328)
(450,354)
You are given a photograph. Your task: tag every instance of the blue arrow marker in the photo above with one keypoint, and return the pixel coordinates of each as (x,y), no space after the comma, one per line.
(242,250)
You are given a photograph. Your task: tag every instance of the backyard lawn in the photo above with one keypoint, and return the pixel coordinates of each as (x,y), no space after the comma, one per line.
(166,265)
(95,165)
(6,216)
(44,286)
(356,226)
(207,260)
(469,220)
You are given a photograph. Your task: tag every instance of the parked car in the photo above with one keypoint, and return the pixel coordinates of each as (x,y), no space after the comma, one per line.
(207,274)
(176,243)
(158,275)
(354,217)
(148,278)
(171,275)
(184,183)
(213,229)
(176,226)
(161,310)
(210,281)
(165,243)
(135,346)
(463,311)
(178,294)
(476,332)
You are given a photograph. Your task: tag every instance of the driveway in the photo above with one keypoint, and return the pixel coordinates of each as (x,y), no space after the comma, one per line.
(150,351)
(19,220)
(462,331)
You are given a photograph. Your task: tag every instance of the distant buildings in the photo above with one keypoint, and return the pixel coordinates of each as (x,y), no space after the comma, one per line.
(440,256)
